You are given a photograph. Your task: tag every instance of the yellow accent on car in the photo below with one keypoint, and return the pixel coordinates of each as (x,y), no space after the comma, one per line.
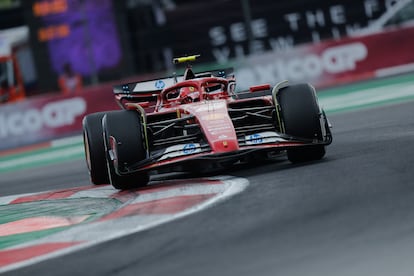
(141,111)
(275,90)
(185,59)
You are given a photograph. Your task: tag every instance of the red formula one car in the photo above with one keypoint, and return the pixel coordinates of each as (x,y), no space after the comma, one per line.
(198,122)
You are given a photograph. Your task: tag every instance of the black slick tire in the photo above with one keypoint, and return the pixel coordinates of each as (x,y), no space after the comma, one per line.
(125,128)
(301,117)
(95,148)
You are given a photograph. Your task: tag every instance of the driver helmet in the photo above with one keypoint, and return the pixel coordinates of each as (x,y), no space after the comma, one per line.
(189,94)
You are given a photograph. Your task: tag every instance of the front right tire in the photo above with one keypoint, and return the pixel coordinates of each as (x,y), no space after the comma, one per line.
(301,115)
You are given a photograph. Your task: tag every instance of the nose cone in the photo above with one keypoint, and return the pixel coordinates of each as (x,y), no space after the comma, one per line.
(216,124)
(225,145)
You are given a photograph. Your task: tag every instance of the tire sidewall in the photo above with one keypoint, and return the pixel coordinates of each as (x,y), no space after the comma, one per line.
(95,148)
(125,127)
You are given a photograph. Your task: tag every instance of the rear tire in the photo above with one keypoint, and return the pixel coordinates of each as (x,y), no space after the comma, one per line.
(95,148)
(125,127)
(301,117)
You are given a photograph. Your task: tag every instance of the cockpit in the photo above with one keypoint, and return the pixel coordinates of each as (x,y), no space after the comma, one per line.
(194,90)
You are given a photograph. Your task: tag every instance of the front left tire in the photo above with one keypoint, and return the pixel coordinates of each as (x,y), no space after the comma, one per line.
(94,148)
(124,146)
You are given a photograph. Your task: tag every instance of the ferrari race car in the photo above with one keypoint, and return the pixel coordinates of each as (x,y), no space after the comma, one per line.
(198,122)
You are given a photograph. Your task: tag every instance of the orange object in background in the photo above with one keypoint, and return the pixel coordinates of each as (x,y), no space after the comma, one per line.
(69,81)
(11,82)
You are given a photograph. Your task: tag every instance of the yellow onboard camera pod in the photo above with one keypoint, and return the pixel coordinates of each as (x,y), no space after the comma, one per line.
(185,59)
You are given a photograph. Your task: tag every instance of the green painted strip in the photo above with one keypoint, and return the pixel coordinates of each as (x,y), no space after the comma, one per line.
(357,98)
(68,141)
(41,158)
(403,79)
(68,207)
(38,152)
(8,241)
(93,208)
(370,105)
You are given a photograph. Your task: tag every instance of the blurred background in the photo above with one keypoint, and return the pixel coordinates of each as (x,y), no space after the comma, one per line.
(107,42)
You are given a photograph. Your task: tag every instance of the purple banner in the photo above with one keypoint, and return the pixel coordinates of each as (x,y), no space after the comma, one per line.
(92,44)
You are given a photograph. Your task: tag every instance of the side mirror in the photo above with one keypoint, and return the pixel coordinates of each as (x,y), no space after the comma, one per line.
(134,106)
(260,87)
(144,104)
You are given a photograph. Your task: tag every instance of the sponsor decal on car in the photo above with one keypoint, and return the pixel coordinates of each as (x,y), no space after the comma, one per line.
(159,84)
(154,85)
(180,150)
(263,138)
(189,148)
(214,116)
(255,138)
(211,106)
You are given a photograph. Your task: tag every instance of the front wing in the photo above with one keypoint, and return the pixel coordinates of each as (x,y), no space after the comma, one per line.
(182,154)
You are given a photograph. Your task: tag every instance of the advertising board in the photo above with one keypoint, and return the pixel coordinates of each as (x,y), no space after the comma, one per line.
(333,62)
(49,117)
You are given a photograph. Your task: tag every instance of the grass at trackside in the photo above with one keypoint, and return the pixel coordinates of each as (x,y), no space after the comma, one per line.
(370,105)
(349,88)
(41,157)
(34,151)
(375,87)
(44,163)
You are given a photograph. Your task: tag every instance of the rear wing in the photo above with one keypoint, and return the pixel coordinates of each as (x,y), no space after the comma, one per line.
(148,86)
(157,85)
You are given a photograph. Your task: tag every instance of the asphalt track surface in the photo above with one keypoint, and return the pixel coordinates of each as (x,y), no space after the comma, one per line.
(350,214)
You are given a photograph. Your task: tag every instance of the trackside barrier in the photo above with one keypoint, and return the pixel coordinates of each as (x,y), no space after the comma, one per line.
(333,62)
(50,117)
